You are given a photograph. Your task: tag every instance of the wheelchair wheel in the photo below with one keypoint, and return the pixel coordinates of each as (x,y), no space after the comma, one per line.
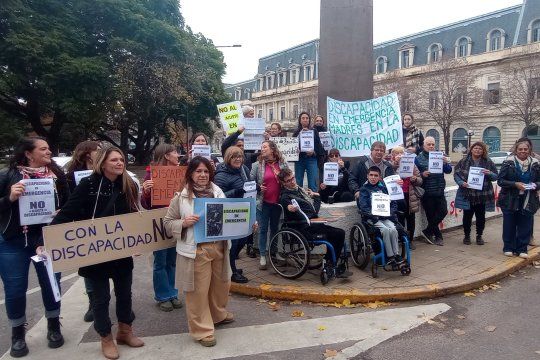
(324,277)
(374,270)
(289,253)
(359,243)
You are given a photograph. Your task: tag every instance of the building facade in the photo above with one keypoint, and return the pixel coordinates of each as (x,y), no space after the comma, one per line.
(492,49)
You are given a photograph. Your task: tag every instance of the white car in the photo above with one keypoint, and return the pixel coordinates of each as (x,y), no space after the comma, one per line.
(498,157)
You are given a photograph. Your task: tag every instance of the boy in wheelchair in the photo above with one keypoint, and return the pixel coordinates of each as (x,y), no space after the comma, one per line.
(385,225)
(300,205)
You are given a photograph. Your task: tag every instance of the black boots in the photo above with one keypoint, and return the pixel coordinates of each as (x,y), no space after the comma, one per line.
(53,333)
(467,240)
(89,315)
(18,343)
(479,240)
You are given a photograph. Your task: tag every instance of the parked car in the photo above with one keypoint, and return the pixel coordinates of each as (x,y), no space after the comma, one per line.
(498,157)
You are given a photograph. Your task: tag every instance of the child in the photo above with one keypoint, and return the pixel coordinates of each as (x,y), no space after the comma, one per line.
(386,225)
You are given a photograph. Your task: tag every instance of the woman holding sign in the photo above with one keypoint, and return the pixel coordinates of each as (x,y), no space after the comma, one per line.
(310,150)
(340,192)
(198,139)
(109,191)
(519,180)
(18,243)
(413,139)
(202,270)
(164,265)
(475,194)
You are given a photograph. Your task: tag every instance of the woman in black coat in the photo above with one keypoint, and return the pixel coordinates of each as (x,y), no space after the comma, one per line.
(231,175)
(340,192)
(109,191)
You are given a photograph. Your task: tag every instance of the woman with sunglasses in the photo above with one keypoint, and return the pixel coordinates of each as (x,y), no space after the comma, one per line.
(340,192)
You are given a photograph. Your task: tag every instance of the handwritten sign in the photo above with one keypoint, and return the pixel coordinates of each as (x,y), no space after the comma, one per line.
(288,146)
(356,125)
(380,204)
(231,116)
(36,205)
(435,163)
(250,188)
(78,175)
(201,150)
(253,133)
(394,189)
(326,140)
(475,178)
(307,140)
(82,243)
(406,165)
(167,181)
(331,173)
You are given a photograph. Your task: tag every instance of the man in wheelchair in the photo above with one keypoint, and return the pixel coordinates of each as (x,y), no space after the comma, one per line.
(300,206)
(385,225)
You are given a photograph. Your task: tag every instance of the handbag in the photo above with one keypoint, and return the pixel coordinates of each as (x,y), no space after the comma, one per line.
(419,191)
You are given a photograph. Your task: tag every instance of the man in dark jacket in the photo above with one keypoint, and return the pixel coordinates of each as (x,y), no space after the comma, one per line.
(308,207)
(358,176)
(433,201)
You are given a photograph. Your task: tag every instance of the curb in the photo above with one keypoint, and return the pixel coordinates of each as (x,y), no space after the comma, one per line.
(326,295)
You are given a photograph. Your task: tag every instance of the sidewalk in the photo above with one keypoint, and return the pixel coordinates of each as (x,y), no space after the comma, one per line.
(436,271)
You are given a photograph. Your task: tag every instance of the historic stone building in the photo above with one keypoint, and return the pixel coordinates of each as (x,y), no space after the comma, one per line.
(493,62)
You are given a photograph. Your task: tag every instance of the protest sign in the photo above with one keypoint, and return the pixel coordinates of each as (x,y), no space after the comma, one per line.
(331,173)
(82,243)
(167,181)
(435,163)
(475,178)
(356,125)
(201,150)
(326,140)
(288,146)
(530,186)
(406,165)
(223,219)
(36,205)
(250,188)
(231,116)
(253,133)
(380,204)
(81,174)
(307,140)
(394,189)
(50,274)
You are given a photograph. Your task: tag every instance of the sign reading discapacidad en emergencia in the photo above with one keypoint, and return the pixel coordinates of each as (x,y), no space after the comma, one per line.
(358,124)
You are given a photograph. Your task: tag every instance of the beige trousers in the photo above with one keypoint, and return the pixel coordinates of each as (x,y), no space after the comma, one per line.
(206,305)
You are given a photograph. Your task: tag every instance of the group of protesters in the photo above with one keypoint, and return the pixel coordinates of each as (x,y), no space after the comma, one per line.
(203,272)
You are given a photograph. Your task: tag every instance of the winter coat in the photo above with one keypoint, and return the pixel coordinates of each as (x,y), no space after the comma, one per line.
(342,186)
(309,207)
(414,200)
(319,149)
(231,180)
(257,174)
(10,225)
(180,207)
(434,184)
(80,206)
(364,202)
(358,175)
(509,198)
(461,201)
(249,156)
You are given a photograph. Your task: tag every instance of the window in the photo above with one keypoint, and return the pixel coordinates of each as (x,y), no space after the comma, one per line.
(461,97)
(282,113)
(492,138)
(380,67)
(269,82)
(434,53)
(282,79)
(294,76)
(247,92)
(271,114)
(406,102)
(533,32)
(534,89)
(238,94)
(260,113)
(460,140)
(307,73)
(493,94)
(495,40)
(433,100)
(295,111)
(405,59)
(435,134)
(462,47)
(261,84)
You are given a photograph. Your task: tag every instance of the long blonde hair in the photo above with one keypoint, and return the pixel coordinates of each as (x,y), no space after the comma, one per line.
(128,185)
(160,152)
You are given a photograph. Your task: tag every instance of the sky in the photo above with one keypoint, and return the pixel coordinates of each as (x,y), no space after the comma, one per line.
(264,27)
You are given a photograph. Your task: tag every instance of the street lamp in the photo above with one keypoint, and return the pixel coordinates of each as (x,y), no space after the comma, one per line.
(470,134)
(235,46)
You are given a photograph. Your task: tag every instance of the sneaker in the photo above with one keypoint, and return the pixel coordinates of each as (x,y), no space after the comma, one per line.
(399,259)
(239,278)
(165,306)
(208,341)
(508,253)
(429,238)
(479,240)
(177,303)
(524,255)
(262,263)
(467,240)
(439,241)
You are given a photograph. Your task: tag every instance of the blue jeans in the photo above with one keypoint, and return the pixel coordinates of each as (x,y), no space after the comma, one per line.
(236,247)
(163,275)
(309,165)
(517,230)
(14,266)
(269,214)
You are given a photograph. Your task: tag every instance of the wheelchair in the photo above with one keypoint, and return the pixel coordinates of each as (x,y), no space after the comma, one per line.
(292,253)
(366,240)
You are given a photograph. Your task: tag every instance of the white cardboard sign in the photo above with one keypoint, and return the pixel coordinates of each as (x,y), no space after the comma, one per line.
(36,205)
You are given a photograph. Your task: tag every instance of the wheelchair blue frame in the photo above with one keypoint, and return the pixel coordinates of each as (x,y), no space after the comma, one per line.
(382,254)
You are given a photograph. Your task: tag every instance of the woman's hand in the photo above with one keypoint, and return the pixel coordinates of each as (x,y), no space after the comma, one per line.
(341,163)
(426,173)
(147,186)
(190,220)
(322,186)
(520,186)
(16,191)
(255,226)
(309,153)
(465,184)
(263,189)
(292,208)
(486,171)
(40,251)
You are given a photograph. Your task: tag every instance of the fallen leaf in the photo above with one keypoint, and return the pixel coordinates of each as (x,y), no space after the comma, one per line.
(297,313)
(459,332)
(443,319)
(273,306)
(512,275)
(494,286)
(321,328)
(272,303)
(461,317)
(262,300)
(469,294)
(296,302)
(346,302)
(491,328)
(376,304)
(328,353)
(439,325)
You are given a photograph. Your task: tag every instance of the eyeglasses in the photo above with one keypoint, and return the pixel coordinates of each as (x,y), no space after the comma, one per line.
(333,155)
(236,157)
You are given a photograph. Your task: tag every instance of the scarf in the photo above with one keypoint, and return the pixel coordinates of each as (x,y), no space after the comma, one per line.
(413,137)
(523,164)
(203,191)
(475,197)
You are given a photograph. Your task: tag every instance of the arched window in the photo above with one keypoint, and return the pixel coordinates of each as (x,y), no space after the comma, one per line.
(533,133)
(533,32)
(380,66)
(492,138)
(434,53)
(495,40)
(459,140)
(463,47)
(435,134)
